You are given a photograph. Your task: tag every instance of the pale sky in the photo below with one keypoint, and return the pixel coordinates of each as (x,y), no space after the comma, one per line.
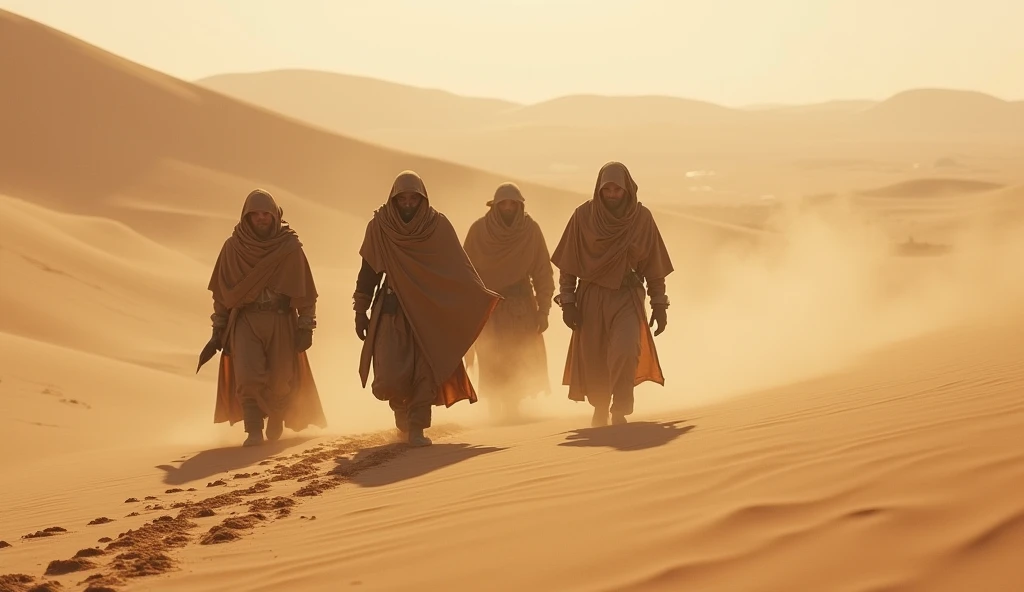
(732,52)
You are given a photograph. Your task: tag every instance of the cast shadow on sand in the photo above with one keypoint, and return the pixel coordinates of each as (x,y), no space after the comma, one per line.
(631,436)
(363,470)
(219,460)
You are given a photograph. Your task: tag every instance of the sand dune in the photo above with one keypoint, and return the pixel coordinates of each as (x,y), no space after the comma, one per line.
(930,114)
(356,104)
(932,188)
(835,418)
(900,473)
(890,138)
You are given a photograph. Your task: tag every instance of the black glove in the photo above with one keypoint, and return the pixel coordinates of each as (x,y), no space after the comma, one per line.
(571,316)
(659,314)
(303,338)
(218,333)
(215,339)
(362,325)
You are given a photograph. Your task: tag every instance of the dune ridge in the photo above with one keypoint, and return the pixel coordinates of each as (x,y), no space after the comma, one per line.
(751,152)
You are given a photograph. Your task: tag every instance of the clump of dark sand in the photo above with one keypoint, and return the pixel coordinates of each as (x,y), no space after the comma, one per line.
(46,532)
(227,531)
(268,504)
(218,534)
(101,520)
(141,562)
(16,582)
(59,567)
(90,552)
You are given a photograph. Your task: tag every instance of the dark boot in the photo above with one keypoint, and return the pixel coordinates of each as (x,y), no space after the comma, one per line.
(600,417)
(417,439)
(618,419)
(253,419)
(275,427)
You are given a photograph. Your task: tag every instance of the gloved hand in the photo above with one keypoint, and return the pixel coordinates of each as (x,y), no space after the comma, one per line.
(571,316)
(303,339)
(542,321)
(215,338)
(362,325)
(659,315)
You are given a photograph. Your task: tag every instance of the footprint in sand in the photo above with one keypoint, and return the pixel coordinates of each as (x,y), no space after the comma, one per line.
(4,544)
(102,583)
(24,582)
(46,532)
(226,531)
(89,552)
(59,567)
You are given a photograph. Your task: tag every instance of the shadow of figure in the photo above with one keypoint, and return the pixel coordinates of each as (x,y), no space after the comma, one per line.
(426,460)
(219,460)
(630,436)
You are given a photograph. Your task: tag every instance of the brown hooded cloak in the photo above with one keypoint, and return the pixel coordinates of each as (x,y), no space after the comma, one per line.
(601,249)
(439,291)
(248,265)
(513,260)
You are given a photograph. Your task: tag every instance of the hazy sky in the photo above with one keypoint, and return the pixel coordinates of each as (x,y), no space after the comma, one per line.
(734,52)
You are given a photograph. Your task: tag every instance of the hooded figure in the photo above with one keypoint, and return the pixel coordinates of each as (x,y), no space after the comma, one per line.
(264,303)
(508,250)
(610,248)
(425,315)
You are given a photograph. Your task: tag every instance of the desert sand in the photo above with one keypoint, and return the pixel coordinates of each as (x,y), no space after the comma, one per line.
(838,415)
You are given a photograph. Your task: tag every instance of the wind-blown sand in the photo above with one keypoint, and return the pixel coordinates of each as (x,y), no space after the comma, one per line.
(835,418)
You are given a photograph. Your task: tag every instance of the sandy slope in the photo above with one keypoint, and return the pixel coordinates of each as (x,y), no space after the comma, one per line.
(900,473)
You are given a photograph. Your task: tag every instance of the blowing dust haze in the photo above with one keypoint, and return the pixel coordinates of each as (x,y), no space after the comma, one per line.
(484,232)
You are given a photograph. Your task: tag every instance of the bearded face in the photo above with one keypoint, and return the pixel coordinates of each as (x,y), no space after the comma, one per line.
(408,203)
(262,223)
(508,210)
(614,198)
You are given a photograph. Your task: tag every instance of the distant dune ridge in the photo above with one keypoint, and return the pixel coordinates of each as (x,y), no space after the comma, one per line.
(754,151)
(932,188)
(834,418)
(343,102)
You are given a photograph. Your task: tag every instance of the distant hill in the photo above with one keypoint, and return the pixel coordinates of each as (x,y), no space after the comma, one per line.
(356,104)
(596,111)
(839,106)
(933,187)
(944,113)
